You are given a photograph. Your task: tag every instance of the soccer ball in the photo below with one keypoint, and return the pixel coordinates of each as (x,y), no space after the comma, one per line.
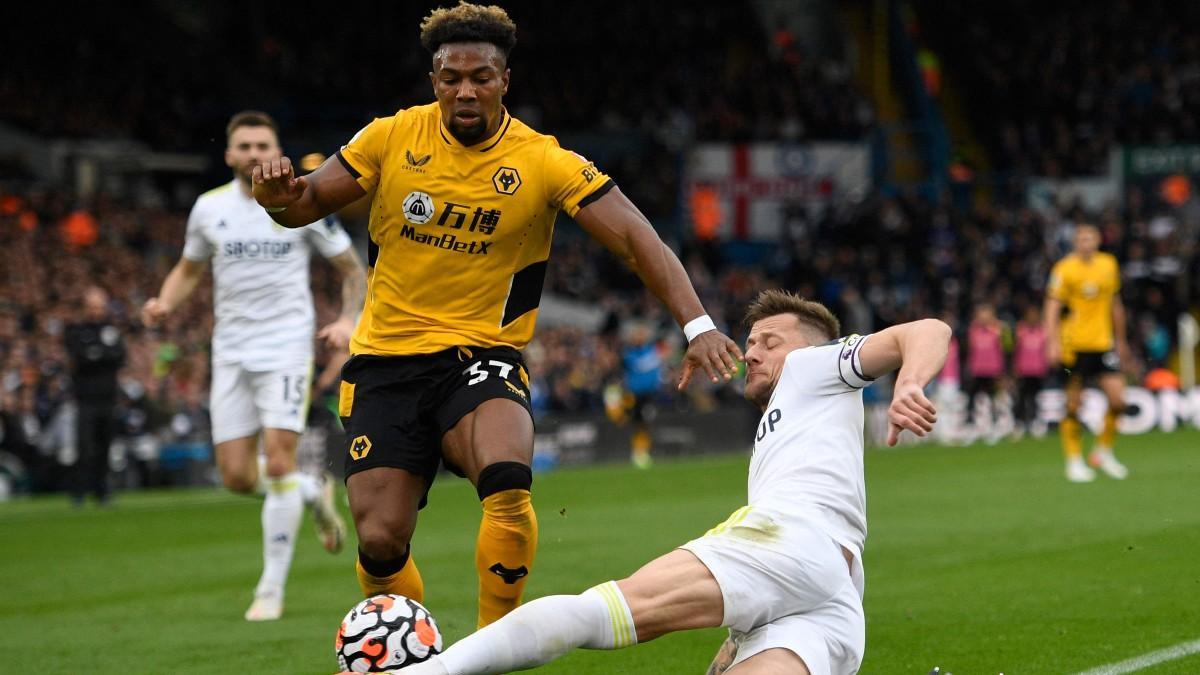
(386,632)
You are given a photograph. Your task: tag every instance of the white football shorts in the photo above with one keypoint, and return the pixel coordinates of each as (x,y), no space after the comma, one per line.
(785,585)
(243,401)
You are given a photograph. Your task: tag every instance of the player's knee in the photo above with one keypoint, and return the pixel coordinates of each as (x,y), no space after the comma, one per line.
(382,537)
(238,481)
(280,464)
(503,476)
(1072,408)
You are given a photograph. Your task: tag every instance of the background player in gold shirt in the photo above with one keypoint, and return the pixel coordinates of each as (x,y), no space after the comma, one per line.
(1092,344)
(461,224)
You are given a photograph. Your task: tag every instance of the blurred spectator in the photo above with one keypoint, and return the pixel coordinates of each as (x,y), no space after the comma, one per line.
(1054,86)
(699,79)
(1029,368)
(985,364)
(642,361)
(96,350)
(18,451)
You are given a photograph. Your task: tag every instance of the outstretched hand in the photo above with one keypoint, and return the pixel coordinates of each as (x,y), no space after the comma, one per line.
(276,185)
(911,410)
(153,313)
(336,335)
(715,353)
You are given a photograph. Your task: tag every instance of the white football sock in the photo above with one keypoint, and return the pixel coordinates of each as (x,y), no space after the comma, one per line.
(281,513)
(260,485)
(310,487)
(539,632)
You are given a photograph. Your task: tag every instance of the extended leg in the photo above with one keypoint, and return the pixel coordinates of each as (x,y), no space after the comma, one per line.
(674,592)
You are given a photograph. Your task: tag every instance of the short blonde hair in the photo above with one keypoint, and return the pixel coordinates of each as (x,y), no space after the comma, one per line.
(775,302)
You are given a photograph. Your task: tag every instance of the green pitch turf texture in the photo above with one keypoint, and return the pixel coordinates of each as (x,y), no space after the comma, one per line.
(980,560)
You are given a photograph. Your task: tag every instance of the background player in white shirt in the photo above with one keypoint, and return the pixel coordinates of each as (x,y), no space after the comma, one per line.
(784,572)
(262,347)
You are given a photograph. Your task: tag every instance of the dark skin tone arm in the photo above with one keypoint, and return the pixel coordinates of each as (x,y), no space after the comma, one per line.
(616,223)
(308,198)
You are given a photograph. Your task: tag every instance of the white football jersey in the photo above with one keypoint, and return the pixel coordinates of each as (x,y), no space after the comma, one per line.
(262,299)
(808,448)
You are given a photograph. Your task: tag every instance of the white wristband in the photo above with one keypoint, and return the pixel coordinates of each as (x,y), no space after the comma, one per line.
(698,325)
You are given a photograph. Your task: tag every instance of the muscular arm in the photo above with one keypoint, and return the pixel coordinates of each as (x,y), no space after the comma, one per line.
(723,659)
(919,350)
(308,198)
(616,223)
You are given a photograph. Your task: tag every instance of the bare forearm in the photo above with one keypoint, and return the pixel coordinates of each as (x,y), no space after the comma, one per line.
(617,224)
(297,201)
(663,274)
(923,349)
(1050,315)
(176,288)
(305,210)
(332,370)
(1118,319)
(354,293)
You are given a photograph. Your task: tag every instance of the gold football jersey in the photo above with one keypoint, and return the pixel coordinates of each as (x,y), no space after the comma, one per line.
(1087,289)
(460,236)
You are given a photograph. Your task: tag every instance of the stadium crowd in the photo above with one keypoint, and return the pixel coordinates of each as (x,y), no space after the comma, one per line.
(938,261)
(341,66)
(1054,86)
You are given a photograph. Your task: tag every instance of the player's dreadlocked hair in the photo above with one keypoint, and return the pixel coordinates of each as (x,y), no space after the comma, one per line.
(469,23)
(811,314)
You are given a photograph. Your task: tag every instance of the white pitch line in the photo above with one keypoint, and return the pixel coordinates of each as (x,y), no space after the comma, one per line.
(1146,660)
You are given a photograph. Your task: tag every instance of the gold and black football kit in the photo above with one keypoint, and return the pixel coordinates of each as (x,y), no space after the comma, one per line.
(459,242)
(1087,289)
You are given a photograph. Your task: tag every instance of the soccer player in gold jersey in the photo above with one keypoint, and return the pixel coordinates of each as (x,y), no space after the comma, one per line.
(460,229)
(1091,344)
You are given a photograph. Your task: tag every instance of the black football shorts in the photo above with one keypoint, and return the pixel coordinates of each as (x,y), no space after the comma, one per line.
(1088,365)
(395,409)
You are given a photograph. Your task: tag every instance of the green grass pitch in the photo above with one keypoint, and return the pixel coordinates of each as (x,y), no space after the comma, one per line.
(979,560)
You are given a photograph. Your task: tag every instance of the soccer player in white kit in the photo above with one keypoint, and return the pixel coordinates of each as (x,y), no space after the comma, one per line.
(262,346)
(783,573)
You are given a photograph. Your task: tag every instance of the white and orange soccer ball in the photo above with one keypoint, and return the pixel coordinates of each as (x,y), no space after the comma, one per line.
(386,632)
